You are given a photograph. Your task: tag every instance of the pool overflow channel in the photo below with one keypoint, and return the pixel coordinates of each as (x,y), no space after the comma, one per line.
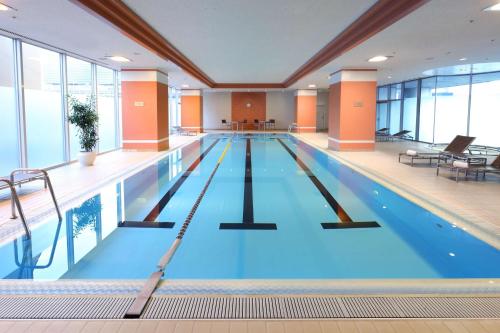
(248,223)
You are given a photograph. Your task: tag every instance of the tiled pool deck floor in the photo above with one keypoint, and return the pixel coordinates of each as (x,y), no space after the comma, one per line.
(254,326)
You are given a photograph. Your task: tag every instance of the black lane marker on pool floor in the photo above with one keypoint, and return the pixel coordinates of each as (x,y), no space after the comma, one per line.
(345,220)
(155,212)
(145,224)
(248,222)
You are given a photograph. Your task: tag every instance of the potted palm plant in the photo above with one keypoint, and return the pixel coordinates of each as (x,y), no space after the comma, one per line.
(84,116)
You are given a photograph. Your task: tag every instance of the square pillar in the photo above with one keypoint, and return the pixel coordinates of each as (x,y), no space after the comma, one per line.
(145,110)
(305,110)
(192,110)
(352,110)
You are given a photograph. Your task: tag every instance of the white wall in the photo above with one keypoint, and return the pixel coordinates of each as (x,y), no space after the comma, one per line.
(281,107)
(216,106)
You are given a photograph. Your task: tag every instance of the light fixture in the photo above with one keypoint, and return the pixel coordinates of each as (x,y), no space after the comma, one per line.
(118,58)
(378,58)
(389,77)
(494,8)
(3,7)
(312,86)
(185,86)
(462,59)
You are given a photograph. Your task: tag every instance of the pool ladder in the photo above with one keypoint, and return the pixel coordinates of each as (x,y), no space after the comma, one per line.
(38,174)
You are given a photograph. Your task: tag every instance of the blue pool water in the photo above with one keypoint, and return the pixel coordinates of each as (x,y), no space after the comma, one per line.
(272,182)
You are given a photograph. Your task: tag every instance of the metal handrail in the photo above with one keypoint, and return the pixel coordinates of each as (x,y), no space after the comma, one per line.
(52,252)
(15,201)
(37,174)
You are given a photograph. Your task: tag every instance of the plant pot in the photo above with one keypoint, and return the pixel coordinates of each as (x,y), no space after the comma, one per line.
(87,158)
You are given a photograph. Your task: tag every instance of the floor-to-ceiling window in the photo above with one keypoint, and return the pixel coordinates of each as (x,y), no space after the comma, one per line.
(9,143)
(174,107)
(485,109)
(79,78)
(382,107)
(43,106)
(440,107)
(34,82)
(106,109)
(452,104)
(395,108)
(427,105)
(410,92)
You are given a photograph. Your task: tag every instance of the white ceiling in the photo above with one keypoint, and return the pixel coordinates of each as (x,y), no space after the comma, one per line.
(440,30)
(65,26)
(266,41)
(249,41)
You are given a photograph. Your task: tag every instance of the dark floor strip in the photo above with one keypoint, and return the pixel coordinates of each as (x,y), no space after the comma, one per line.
(345,219)
(145,224)
(153,215)
(248,222)
(349,225)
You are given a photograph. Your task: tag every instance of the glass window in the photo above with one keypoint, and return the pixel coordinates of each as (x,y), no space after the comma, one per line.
(43,106)
(106,108)
(79,75)
(395,117)
(410,106)
(485,109)
(174,107)
(119,120)
(382,93)
(381,116)
(9,143)
(452,104)
(395,91)
(427,101)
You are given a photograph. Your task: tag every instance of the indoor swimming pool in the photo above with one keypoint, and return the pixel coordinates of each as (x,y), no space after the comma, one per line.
(276,208)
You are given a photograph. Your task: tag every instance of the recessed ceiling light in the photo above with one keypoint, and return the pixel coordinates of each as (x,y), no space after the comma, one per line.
(389,77)
(185,86)
(118,58)
(3,7)
(462,59)
(493,8)
(312,86)
(378,58)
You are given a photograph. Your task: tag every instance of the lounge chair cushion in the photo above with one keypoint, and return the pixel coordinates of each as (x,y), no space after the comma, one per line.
(410,152)
(460,164)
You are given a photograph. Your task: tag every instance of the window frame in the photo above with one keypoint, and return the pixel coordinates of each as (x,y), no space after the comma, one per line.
(20,103)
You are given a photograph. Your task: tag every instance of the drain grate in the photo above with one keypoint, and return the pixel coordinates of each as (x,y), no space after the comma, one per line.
(240,307)
(67,307)
(249,307)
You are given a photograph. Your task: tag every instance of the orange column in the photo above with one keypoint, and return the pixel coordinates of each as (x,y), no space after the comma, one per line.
(352,110)
(192,110)
(305,110)
(144,110)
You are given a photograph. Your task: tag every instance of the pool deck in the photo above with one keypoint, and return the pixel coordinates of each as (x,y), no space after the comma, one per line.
(253,326)
(474,205)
